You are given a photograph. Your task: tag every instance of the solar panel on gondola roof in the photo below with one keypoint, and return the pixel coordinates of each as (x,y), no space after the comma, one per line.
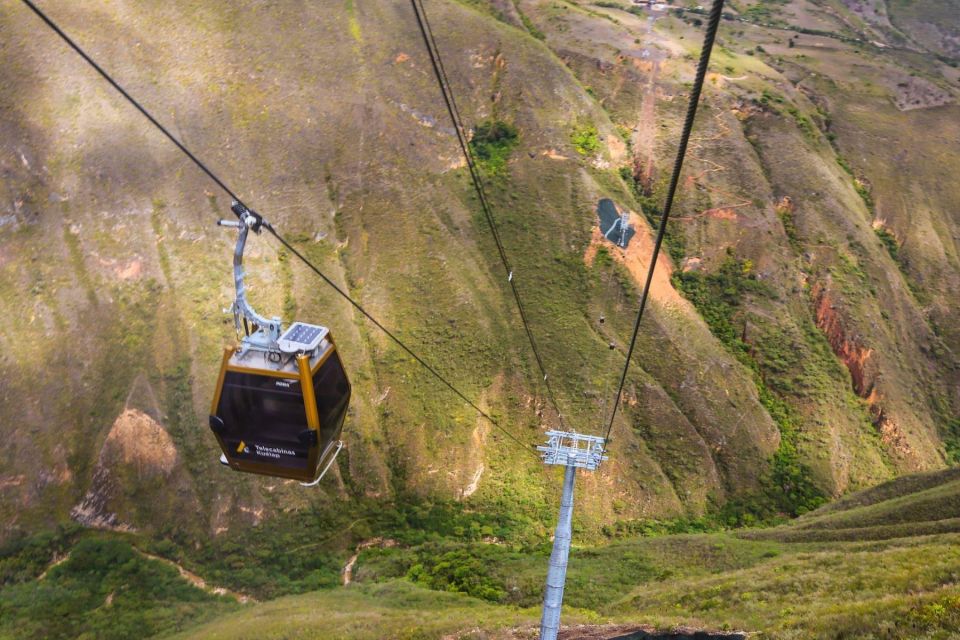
(302,337)
(302,333)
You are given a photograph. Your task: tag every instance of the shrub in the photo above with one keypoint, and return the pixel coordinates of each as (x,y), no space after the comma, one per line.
(530,27)
(603,258)
(889,241)
(492,143)
(844,165)
(863,189)
(585,139)
(952,441)
(461,570)
(803,122)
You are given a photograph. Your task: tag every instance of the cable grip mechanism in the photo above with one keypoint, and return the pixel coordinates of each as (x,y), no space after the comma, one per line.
(259,333)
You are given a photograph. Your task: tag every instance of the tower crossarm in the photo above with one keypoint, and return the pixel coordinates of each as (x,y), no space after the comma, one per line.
(569,448)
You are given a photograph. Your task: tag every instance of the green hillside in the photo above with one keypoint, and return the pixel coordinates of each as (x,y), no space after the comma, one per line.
(787,582)
(801,345)
(801,349)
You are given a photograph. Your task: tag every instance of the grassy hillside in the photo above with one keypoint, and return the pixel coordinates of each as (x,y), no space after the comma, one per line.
(801,343)
(869,580)
(136,275)
(881,563)
(96,587)
(838,571)
(393,609)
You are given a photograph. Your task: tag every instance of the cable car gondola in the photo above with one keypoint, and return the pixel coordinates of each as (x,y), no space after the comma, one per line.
(282,396)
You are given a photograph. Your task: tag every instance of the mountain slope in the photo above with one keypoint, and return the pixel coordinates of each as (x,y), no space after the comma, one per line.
(812,355)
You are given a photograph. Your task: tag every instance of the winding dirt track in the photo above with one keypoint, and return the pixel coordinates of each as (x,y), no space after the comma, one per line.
(645,133)
(199,582)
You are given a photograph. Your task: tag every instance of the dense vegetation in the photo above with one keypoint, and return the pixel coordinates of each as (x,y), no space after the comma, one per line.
(793,581)
(459,570)
(719,296)
(295,553)
(23,559)
(103,589)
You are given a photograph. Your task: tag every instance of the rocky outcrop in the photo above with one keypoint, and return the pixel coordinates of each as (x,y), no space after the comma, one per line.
(138,476)
(849,348)
(857,357)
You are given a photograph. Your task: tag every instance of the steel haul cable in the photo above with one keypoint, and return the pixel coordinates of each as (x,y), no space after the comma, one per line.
(443,81)
(50,23)
(711,33)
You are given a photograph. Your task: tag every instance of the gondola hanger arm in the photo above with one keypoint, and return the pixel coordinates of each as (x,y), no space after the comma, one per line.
(266,331)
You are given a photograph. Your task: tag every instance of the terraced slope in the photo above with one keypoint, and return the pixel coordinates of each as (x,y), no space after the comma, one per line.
(912,505)
(881,562)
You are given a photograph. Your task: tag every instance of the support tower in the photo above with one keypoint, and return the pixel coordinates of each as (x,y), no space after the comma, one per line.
(571,450)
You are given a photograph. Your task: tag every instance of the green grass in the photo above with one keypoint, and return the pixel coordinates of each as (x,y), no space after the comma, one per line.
(353,23)
(528,23)
(764,11)
(897,488)
(848,592)
(104,590)
(865,581)
(889,241)
(394,609)
(803,122)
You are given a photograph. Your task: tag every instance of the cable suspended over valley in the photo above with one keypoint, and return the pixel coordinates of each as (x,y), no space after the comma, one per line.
(451,106)
(283,241)
(443,81)
(709,36)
